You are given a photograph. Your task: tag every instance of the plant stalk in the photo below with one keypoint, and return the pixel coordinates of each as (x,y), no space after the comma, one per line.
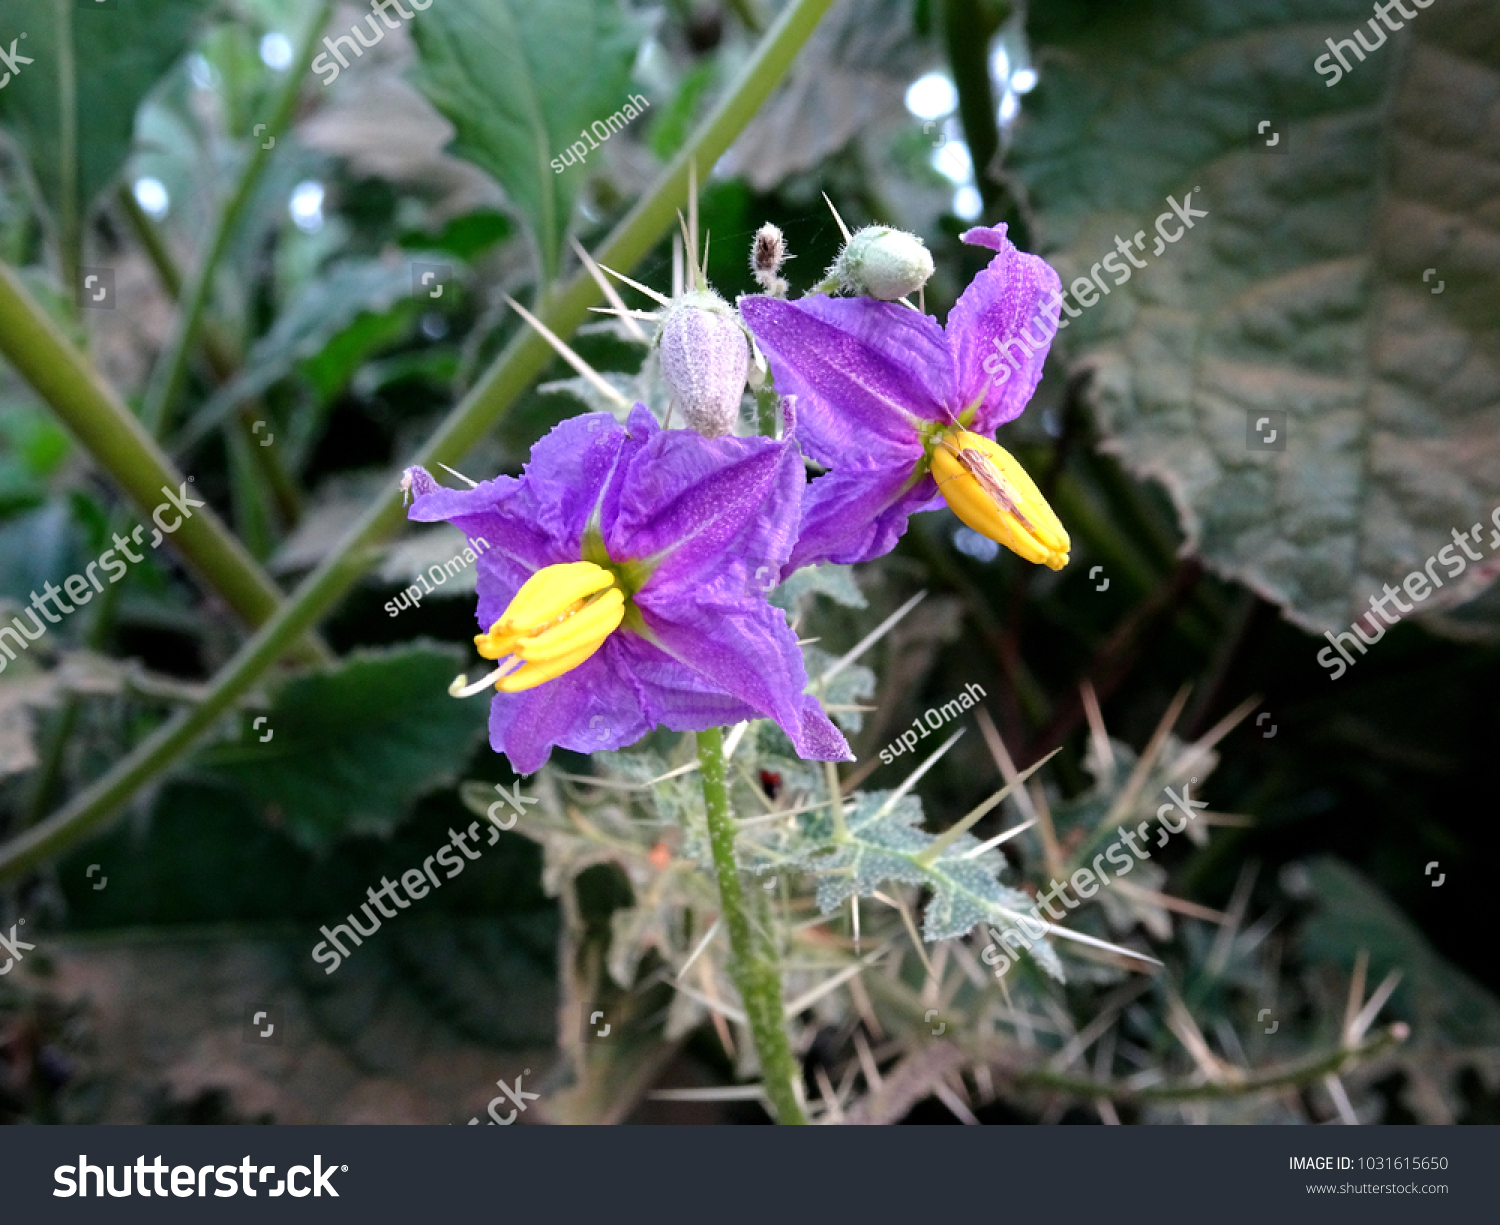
(109,431)
(171,367)
(753,961)
(512,372)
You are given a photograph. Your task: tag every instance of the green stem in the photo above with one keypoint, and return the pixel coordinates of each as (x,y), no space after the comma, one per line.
(512,372)
(151,240)
(221,357)
(968,27)
(171,367)
(753,961)
(69,208)
(767,408)
(89,407)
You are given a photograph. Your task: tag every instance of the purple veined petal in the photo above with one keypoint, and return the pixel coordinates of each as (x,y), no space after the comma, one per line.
(571,471)
(703,509)
(1000,330)
(539,519)
(675,696)
(594,707)
(866,373)
(502,514)
(858,512)
(749,653)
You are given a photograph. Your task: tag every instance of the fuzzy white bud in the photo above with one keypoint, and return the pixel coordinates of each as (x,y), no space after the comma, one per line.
(880,262)
(767,254)
(705,360)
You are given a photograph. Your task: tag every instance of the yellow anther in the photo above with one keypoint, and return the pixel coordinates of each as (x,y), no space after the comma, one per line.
(986,488)
(561,615)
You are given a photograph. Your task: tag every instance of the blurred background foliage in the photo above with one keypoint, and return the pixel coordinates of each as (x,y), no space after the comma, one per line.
(1195,561)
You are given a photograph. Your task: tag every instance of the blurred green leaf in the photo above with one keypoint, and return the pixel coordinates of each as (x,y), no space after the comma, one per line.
(669,130)
(307,334)
(32,446)
(353,746)
(1302,292)
(518,82)
(467,236)
(73,110)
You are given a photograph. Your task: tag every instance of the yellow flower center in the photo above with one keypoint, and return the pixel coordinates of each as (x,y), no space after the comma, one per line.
(986,488)
(561,615)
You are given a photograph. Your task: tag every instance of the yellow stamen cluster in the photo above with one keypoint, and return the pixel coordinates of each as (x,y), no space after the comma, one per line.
(986,488)
(561,615)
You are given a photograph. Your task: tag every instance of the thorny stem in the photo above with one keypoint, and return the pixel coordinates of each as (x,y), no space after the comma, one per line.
(1302,1072)
(521,361)
(753,962)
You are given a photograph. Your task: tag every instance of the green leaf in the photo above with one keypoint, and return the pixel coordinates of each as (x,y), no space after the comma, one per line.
(73,110)
(467,237)
(1302,292)
(351,304)
(353,746)
(884,843)
(519,81)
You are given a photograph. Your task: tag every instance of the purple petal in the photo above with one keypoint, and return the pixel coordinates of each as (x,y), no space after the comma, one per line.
(1017,296)
(747,652)
(856,513)
(593,707)
(868,373)
(538,520)
(707,512)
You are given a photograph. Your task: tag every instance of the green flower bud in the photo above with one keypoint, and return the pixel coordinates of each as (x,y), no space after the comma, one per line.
(705,360)
(879,262)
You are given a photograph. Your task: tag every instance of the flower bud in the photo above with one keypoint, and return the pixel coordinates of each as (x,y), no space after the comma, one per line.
(705,360)
(767,254)
(879,262)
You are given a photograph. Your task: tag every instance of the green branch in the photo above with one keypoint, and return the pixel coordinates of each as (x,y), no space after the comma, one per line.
(221,357)
(520,362)
(753,963)
(1302,1072)
(109,431)
(171,366)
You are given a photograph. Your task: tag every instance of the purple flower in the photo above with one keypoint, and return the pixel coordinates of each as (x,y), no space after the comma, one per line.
(644,555)
(894,404)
